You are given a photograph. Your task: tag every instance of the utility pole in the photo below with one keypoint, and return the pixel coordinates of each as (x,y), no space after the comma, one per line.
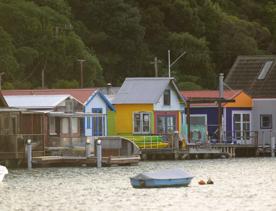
(1,74)
(81,71)
(155,62)
(169,60)
(43,76)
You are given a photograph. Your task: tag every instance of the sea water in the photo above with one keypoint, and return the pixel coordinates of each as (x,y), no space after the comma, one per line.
(239,184)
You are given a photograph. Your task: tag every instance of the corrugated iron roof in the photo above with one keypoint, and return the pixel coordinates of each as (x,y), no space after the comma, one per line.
(245,75)
(35,101)
(143,90)
(81,95)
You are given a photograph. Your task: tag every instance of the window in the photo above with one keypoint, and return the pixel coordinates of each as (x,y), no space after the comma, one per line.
(141,123)
(166,124)
(198,128)
(97,110)
(241,125)
(88,122)
(14,125)
(65,125)
(265,70)
(167,97)
(266,121)
(75,125)
(98,122)
(52,125)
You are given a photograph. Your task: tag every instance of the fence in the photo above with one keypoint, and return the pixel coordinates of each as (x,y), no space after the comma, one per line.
(13,146)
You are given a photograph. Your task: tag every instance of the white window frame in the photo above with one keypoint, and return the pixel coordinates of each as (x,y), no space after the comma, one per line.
(201,115)
(242,112)
(141,123)
(206,121)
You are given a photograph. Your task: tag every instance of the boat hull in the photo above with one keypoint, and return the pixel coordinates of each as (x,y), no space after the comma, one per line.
(3,172)
(160,183)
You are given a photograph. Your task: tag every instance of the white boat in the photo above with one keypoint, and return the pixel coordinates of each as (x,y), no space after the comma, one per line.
(3,172)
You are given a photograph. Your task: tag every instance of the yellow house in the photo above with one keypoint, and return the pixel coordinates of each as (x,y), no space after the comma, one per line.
(147,106)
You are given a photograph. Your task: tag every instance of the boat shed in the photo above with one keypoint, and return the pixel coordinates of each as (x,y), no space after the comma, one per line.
(204,117)
(149,106)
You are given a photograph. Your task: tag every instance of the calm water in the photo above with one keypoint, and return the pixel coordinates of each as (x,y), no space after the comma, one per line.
(240,184)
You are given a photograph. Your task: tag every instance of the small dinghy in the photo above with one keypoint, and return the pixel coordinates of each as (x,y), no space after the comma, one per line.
(165,178)
(3,172)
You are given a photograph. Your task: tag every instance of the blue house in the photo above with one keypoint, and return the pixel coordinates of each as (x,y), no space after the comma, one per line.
(98,106)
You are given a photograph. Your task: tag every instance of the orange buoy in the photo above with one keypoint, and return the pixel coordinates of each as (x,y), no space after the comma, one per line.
(201,182)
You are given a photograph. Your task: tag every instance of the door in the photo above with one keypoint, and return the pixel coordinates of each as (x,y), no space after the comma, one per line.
(241,127)
(166,124)
(198,128)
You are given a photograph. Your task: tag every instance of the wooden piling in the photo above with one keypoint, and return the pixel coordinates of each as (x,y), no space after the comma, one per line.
(99,153)
(29,154)
(272,147)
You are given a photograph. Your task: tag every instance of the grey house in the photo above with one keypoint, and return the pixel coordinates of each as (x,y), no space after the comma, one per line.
(256,75)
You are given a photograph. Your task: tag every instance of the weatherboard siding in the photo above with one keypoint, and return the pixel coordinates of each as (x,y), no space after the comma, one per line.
(212,117)
(242,100)
(264,107)
(124,116)
(174,106)
(96,102)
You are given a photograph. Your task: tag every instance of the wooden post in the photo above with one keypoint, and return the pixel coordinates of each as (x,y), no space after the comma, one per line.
(219,122)
(188,120)
(87,148)
(272,146)
(29,153)
(176,140)
(99,153)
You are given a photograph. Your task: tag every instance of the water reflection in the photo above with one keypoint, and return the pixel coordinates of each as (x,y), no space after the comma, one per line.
(240,184)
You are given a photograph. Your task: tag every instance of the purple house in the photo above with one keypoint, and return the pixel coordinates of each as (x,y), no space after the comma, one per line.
(204,118)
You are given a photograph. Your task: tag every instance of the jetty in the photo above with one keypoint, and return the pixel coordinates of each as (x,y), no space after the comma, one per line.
(103,151)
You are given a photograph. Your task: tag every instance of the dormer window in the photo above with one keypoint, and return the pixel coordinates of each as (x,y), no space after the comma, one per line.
(265,70)
(167,97)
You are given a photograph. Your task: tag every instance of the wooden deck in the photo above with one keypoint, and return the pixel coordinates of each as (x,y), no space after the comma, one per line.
(78,161)
(201,151)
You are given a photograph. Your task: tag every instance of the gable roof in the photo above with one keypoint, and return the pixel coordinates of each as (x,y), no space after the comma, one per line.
(103,97)
(254,75)
(228,94)
(82,95)
(35,101)
(144,90)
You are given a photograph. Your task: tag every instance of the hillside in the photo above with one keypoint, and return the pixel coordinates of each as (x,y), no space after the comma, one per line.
(120,38)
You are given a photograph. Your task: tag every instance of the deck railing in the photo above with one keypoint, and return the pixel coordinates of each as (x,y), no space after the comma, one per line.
(153,141)
(14,146)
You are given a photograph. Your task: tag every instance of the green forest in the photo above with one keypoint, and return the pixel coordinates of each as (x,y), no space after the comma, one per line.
(120,38)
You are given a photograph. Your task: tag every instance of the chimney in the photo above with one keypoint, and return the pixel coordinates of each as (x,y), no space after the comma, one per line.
(108,88)
(221,91)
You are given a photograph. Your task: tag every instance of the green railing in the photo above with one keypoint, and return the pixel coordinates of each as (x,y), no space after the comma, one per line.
(149,142)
